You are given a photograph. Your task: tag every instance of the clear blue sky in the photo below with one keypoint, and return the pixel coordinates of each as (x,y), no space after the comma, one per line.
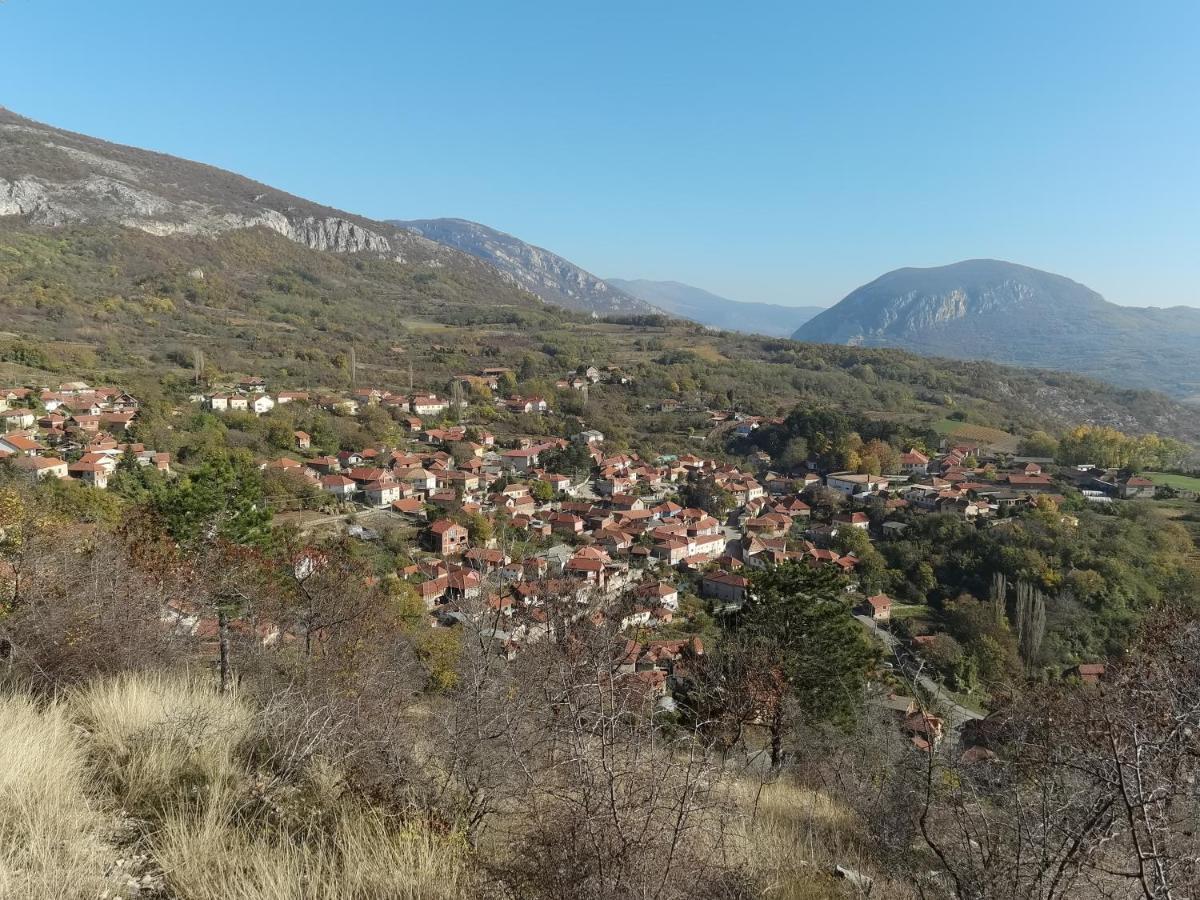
(782,152)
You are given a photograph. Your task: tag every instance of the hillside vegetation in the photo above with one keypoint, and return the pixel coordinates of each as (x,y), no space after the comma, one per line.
(110,302)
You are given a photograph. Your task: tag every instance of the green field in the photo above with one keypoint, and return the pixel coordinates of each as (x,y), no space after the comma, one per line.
(1180,482)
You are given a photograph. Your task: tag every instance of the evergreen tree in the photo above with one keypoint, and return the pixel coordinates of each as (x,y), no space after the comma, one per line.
(805,655)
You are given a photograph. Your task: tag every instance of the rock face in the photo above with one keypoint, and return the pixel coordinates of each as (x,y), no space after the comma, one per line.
(539,271)
(53,177)
(987,309)
(699,305)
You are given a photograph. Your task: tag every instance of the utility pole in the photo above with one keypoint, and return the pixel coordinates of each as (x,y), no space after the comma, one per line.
(353,369)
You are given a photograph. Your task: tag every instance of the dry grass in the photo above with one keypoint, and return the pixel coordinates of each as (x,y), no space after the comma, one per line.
(793,838)
(211,824)
(155,737)
(52,837)
(358,856)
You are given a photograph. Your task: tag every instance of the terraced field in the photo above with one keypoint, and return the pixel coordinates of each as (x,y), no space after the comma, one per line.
(993,437)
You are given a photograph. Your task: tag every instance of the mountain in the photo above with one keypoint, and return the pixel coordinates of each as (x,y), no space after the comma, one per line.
(53,177)
(549,276)
(699,305)
(1000,311)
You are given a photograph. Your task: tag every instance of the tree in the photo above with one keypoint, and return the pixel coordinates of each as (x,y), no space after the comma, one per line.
(216,515)
(704,493)
(220,499)
(799,651)
(574,461)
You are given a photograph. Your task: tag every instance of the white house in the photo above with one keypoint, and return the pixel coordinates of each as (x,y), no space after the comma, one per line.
(16,419)
(520,460)
(852,483)
(427,404)
(382,493)
(262,404)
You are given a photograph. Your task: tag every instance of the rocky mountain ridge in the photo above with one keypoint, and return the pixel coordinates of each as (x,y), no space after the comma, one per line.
(555,279)
(53,177)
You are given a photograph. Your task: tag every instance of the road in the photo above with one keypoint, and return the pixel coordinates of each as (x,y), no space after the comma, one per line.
(955,713)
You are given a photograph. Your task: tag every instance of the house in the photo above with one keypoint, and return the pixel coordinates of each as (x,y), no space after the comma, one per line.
(261,404)
(16,419)
(303,440)
(1134,487)
(339,485)
(591,436)
(858,520)
(924,730)
(447,538)
(383,492)
(666,595)
(725,586)
(878,607)
(486,560)
(427,404)
(1088,673)
(1031,483)
(94,474)
(419,479)
(521,460)
(558,483)
(853,483)
(411,507)
(38,467)
(19,444)
(914,463)
(672,550)
(566,523)
(290,396)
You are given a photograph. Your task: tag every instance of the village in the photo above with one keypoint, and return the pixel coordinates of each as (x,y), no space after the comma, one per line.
(504,540)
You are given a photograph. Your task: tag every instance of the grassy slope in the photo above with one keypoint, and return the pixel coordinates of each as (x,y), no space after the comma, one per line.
(1182,482)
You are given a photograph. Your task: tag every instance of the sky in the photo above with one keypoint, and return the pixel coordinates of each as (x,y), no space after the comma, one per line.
(776,152)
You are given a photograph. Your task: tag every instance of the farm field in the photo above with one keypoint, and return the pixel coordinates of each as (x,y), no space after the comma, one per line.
(994,437)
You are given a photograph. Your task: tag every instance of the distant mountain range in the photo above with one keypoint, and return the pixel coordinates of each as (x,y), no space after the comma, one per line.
(1000,311)
(699,305)
(979,309)
(560,281)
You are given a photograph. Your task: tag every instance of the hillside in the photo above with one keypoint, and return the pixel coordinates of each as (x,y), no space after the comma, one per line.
(549,276)
(110,303)
(699,305)
(988,309)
